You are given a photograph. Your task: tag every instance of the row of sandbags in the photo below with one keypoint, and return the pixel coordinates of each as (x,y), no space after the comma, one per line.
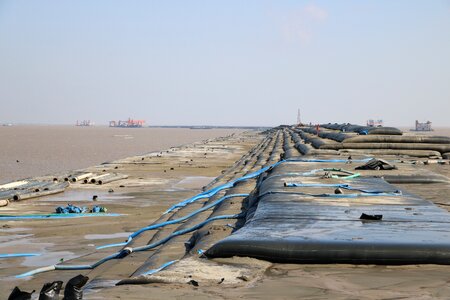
(376,138)
(442,148)
(332,135)
(412,145)
(363,130)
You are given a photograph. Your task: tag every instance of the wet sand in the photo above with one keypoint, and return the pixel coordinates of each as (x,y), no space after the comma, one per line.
(153,187)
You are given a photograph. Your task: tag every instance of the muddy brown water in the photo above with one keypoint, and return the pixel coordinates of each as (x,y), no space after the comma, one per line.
(33,150)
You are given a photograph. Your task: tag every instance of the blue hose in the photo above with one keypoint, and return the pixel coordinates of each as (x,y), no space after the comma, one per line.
(170,222)
(124,252)
(151,272)
(212,192)
(55,216)
(9,255)
(186,230)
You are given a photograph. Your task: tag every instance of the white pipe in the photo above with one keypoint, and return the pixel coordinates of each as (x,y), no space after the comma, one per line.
(13,184)
(81,177)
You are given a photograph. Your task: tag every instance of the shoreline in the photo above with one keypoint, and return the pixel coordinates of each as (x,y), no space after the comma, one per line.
(57,149)
(152,187)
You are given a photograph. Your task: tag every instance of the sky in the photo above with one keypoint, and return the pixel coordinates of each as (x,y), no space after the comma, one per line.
(228,62)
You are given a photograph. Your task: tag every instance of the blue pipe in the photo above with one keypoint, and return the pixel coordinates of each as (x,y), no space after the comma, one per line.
(170,222)
(212,192)
(9,255)
(186,230)
(122,253)
(56,216)
(151,272)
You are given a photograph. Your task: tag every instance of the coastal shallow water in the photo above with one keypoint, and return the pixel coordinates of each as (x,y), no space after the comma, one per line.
(36,150)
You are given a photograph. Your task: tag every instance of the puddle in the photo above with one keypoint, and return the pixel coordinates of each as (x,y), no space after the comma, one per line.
(20,243)
(47,258)
(106,236)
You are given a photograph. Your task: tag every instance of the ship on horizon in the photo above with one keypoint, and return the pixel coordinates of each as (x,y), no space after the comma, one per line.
(130,123)
(84,123)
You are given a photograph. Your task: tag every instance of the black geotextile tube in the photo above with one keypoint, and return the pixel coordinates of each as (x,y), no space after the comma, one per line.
(415,179)
(363,129)
(317,142)
(382,130)
(331,252)
(302,148)
(398,152)
(336,136)
(442,148)
(287,148)
(398,139)
(290,225)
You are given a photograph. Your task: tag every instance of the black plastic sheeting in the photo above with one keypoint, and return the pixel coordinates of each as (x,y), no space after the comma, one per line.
(291,226)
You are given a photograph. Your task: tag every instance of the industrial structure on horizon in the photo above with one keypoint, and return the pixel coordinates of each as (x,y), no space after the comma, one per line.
(130,123)
(84,123)
(426,126)
(375,123)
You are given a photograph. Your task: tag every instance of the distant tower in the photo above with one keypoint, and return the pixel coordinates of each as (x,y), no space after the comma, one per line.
(298,117)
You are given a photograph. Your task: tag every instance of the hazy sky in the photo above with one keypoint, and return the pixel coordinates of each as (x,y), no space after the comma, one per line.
(225,62)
